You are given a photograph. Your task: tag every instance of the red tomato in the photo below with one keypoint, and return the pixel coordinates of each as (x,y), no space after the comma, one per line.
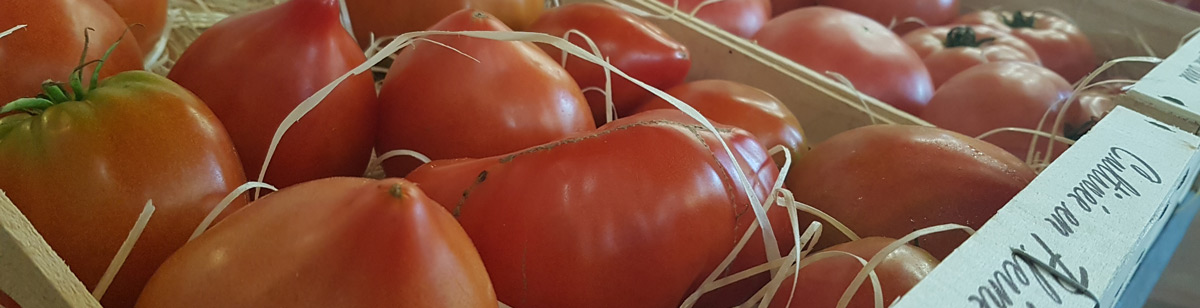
(888,180)
(740,17)
(868,54)
(336,242)
(742,106)
(995,95)
(1062,47)
(440,103)
(821,283)
(950,50)
(146,20)
(48,48)
(667,219)
(81,171)
(253,79)
(632,44)
(778,7)
(395,17)
(1089,107)
(931,12)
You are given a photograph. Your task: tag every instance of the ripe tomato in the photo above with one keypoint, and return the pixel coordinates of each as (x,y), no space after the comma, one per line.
(739,17)
(931,12)
(778,7)
(950,50)
(995,95)
(48,48)
(888,180)
(742,106)
(632,44)
(1089,107)
(146,20)
(395,17)
(253,79)
(82,171)
(1062,47)
(425,107)
(534,214)
(868,54)
(821,283)
(335,242)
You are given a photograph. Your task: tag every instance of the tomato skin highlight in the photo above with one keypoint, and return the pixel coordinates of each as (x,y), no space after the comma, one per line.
(49,46)
(873,58)
(1000,94)
(945,62)
(146,20)
(822,282)
(666,219)
(739,17)
(253,79)
(630,43)
(137,137)
(932,12)
(424,107)
(889,180)
(344,242)
(1062,47)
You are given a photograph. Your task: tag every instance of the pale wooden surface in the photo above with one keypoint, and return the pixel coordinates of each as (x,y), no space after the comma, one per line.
(30,272)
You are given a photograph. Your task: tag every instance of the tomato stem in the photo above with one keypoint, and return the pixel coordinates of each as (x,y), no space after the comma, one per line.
(54,93)
(964,36)
(1020,20)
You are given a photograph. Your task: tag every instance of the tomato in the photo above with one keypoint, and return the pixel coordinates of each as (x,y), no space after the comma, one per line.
(778,7)
(821,283)
(48,48)
(742,106)
(1062,47)
(1088,107)
(81,171)
(253,79)
(950,50)
(335,242)
(147,20)
(739,17)
(666,219)
(632,44)
(931,12)
(888,180)
(868,54)
(445,105)
(995,95)
(395,17)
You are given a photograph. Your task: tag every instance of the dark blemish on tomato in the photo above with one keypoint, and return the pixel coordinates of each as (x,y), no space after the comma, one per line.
(482,177)
(1173,100)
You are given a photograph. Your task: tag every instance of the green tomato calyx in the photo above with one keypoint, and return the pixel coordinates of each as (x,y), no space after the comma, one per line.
(1020,20)
(54,93)
(964,36)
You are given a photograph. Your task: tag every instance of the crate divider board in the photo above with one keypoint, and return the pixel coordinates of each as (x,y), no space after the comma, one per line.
(1093,215)
(32,273)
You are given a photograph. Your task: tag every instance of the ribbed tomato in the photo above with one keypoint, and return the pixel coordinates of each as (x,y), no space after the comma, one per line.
(635,227)
(1062,47)
(821,283)
(82,169)
(930,12)
(888,180)
(950,50)
(253,79)
(632,44)
(739,17)
(336,242)
(446,105)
